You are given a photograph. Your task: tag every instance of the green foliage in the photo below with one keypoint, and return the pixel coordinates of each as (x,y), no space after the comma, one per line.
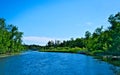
(115,34)
(10,38)
(87,34)
(100,42)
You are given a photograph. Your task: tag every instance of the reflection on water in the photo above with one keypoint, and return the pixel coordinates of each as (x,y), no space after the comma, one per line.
(46,63)
(116,70)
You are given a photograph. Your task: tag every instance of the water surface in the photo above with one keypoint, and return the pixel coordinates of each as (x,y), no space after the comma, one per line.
(50,63)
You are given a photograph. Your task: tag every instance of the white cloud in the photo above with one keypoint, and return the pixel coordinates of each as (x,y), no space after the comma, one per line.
(85,24)
(39,40)
(89,23)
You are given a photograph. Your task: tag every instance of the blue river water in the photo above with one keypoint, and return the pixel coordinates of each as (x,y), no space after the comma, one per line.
(50,63)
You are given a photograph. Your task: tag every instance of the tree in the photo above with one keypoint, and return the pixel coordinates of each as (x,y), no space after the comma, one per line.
(10,38)
(57,43)
(87,34)
(50,43)
(115,33)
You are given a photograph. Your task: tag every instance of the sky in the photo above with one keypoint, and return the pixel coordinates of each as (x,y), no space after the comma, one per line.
(44,20)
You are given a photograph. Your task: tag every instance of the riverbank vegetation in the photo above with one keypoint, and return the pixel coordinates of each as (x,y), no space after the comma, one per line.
(105,41)
(10,38)
(102,43)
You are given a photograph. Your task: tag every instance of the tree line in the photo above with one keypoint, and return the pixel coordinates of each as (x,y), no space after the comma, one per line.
(101,41)
(10,38)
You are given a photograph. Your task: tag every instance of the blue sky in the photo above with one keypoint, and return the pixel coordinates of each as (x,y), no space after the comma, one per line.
(43,20)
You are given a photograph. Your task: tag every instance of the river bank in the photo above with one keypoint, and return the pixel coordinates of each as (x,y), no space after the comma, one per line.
(97,55)
(9,54)
(111,59)
(106,58)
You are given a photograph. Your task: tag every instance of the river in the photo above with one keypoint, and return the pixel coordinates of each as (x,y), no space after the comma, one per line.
(51,63)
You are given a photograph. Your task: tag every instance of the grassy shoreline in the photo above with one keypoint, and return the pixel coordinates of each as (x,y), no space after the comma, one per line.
(64,50)
(9,54)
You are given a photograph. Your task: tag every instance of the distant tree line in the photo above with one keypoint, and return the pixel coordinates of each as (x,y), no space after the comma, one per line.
(100,41)
(10,38)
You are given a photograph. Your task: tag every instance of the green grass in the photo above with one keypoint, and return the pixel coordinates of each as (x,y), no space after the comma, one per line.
(8,54)
(64,49)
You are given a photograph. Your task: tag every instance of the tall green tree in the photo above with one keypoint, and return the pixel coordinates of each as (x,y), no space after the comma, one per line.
(115,33)
(10,38)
